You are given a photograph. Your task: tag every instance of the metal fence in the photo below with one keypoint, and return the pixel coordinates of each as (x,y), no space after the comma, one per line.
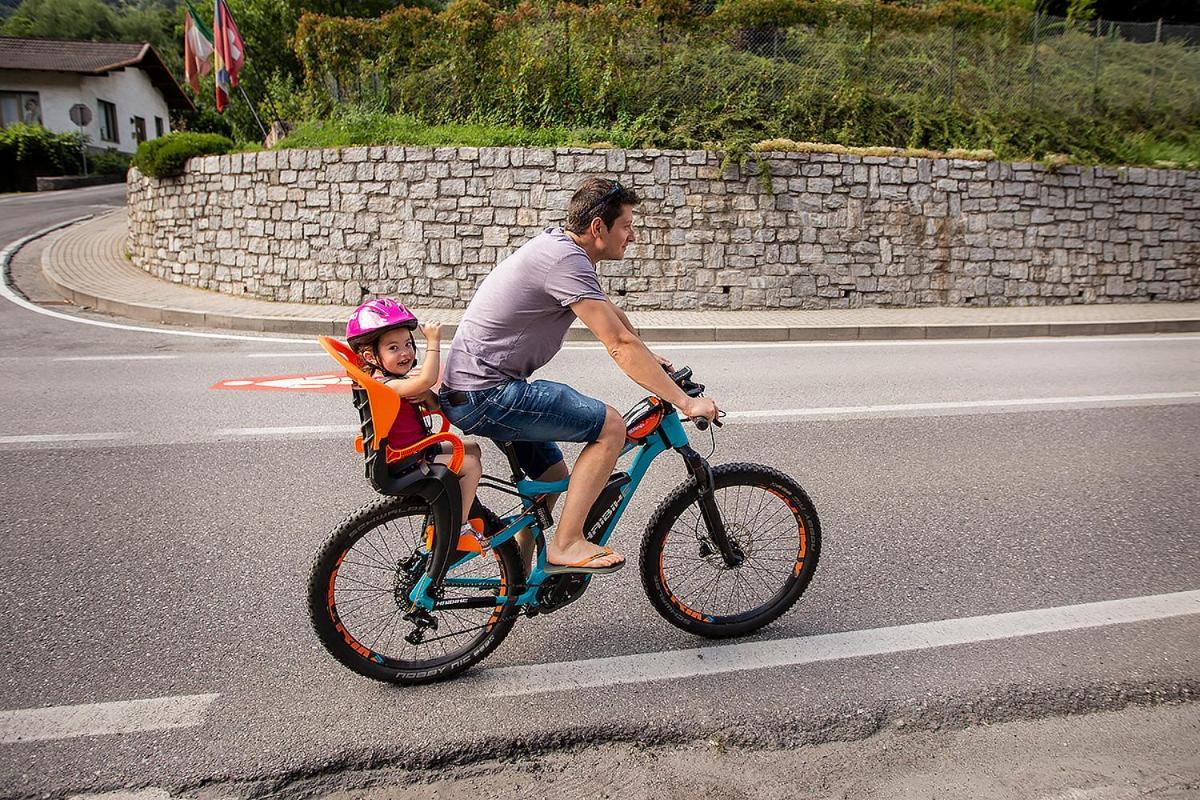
(841,79)
(1080,67)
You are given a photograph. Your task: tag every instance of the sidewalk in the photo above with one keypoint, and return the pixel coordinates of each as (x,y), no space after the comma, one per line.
(87,265)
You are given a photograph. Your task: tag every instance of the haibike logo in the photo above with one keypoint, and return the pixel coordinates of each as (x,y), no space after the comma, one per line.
(605,517)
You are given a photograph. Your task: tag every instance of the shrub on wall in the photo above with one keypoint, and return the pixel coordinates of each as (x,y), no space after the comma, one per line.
(849,72)
(166,156)
(108,162)
(28,152)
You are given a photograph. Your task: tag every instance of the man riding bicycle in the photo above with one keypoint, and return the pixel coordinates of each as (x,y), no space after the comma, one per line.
(517,322)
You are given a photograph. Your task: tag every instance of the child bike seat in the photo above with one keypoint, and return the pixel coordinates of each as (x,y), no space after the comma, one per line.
(378,406)
(404,472)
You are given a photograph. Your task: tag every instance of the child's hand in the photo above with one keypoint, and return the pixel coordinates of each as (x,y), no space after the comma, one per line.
(432,331)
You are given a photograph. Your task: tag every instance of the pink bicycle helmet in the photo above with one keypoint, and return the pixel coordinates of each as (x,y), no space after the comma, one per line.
(374,317)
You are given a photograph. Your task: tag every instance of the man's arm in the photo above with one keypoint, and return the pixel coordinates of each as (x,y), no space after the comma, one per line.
(666,362)
(634,358)
(624,319)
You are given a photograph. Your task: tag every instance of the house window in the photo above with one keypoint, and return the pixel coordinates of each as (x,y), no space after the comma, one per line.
(139,129)
(17,107)
(108,121)
(158,126)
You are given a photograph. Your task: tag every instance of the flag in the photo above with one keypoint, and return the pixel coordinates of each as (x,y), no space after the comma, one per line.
(197,48)
(229,52)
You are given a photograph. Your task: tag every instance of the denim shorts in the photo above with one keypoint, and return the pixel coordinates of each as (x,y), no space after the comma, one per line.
(533,416)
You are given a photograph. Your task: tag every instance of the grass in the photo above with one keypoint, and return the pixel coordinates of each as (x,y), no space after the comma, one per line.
(1169,149)
(383,129)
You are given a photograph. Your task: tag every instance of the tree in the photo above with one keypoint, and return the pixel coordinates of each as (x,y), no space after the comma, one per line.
(63,19)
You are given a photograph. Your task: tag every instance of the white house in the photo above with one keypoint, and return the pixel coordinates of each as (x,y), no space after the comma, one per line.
(127,86)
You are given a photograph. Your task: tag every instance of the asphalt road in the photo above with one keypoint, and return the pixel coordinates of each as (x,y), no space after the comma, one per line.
(168,557)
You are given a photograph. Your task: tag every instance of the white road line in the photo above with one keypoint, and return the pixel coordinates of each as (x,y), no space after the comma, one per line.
(1148,337)
(829,411)
(592,673)
(901,408)
(284,431)
(307,354)
(7,293)
(98,719)
(116,358)
(746,417)
(63,437)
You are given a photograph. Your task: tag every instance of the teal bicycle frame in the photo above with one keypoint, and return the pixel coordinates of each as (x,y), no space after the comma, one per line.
(668,435)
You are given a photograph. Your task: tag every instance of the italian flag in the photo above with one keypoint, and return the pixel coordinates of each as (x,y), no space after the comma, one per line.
(197,48)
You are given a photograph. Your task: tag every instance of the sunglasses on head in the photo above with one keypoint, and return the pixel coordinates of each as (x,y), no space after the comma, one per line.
(591,212)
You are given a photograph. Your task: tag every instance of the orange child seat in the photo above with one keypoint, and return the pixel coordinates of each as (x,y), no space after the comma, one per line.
(401,471)
(379,408)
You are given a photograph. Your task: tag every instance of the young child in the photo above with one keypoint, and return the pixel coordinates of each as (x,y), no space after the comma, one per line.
(380,331)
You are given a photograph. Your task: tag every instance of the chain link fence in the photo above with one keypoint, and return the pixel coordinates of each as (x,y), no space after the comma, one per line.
(1029,81)
(1081,68)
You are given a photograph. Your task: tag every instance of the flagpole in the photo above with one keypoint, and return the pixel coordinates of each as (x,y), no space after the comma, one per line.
(253,111)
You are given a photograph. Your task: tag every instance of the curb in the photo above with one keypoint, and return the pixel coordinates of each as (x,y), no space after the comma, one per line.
(307,326)
(828,333)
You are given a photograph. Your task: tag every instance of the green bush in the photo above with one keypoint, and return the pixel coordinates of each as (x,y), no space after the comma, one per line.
(166,156)
(108,162)
(952,75)
(28,152)
(358,127)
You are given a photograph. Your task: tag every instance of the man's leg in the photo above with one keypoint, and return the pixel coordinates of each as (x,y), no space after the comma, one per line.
(555,472)
(545,411)
(588,478)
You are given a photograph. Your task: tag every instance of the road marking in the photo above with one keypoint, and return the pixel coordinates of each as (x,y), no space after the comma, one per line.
(63,437)
(572,676)
(7,292)
(116,358)
(285,431)
(752,417)
(746,417)
(906,342)
(1148,337)
(307,354)
(901,408)
(98,719)
(325,383)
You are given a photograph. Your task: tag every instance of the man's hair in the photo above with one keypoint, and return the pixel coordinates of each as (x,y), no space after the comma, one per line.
(598,197)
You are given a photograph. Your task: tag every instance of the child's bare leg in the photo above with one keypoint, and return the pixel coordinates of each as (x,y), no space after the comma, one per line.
(469,474)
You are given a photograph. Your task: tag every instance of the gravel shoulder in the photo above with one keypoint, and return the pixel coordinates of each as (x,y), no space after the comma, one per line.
(1136,752)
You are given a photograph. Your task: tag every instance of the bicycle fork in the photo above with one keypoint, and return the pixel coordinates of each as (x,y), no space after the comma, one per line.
(699,468)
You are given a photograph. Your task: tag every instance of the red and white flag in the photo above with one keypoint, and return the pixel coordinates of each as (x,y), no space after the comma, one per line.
(229,52)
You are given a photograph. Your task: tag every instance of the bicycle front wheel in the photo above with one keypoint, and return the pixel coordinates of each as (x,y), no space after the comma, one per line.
(358,597)
(768,519)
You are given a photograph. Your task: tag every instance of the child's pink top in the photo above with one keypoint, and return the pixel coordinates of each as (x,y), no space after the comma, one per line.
(408,428)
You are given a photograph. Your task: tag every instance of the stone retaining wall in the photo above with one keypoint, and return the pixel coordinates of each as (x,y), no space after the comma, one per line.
(831,231)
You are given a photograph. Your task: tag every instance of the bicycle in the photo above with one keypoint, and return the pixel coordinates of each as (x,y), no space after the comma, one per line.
(393,596)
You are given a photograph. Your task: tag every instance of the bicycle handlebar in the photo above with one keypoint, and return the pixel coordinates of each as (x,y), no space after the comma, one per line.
(683,379)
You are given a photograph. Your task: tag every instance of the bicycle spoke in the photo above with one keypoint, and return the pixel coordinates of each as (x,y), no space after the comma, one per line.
(765,530)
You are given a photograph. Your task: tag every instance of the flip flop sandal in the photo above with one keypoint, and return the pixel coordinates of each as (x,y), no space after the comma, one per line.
(581,568)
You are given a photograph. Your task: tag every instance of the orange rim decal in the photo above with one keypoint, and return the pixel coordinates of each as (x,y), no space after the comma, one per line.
(802,551)
(337,620)
(662,577)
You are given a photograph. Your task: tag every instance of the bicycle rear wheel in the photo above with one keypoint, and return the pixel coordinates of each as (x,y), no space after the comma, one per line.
(358,596)
(768,518)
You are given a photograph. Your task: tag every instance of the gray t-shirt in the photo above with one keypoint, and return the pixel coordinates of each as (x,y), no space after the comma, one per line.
(519,317)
